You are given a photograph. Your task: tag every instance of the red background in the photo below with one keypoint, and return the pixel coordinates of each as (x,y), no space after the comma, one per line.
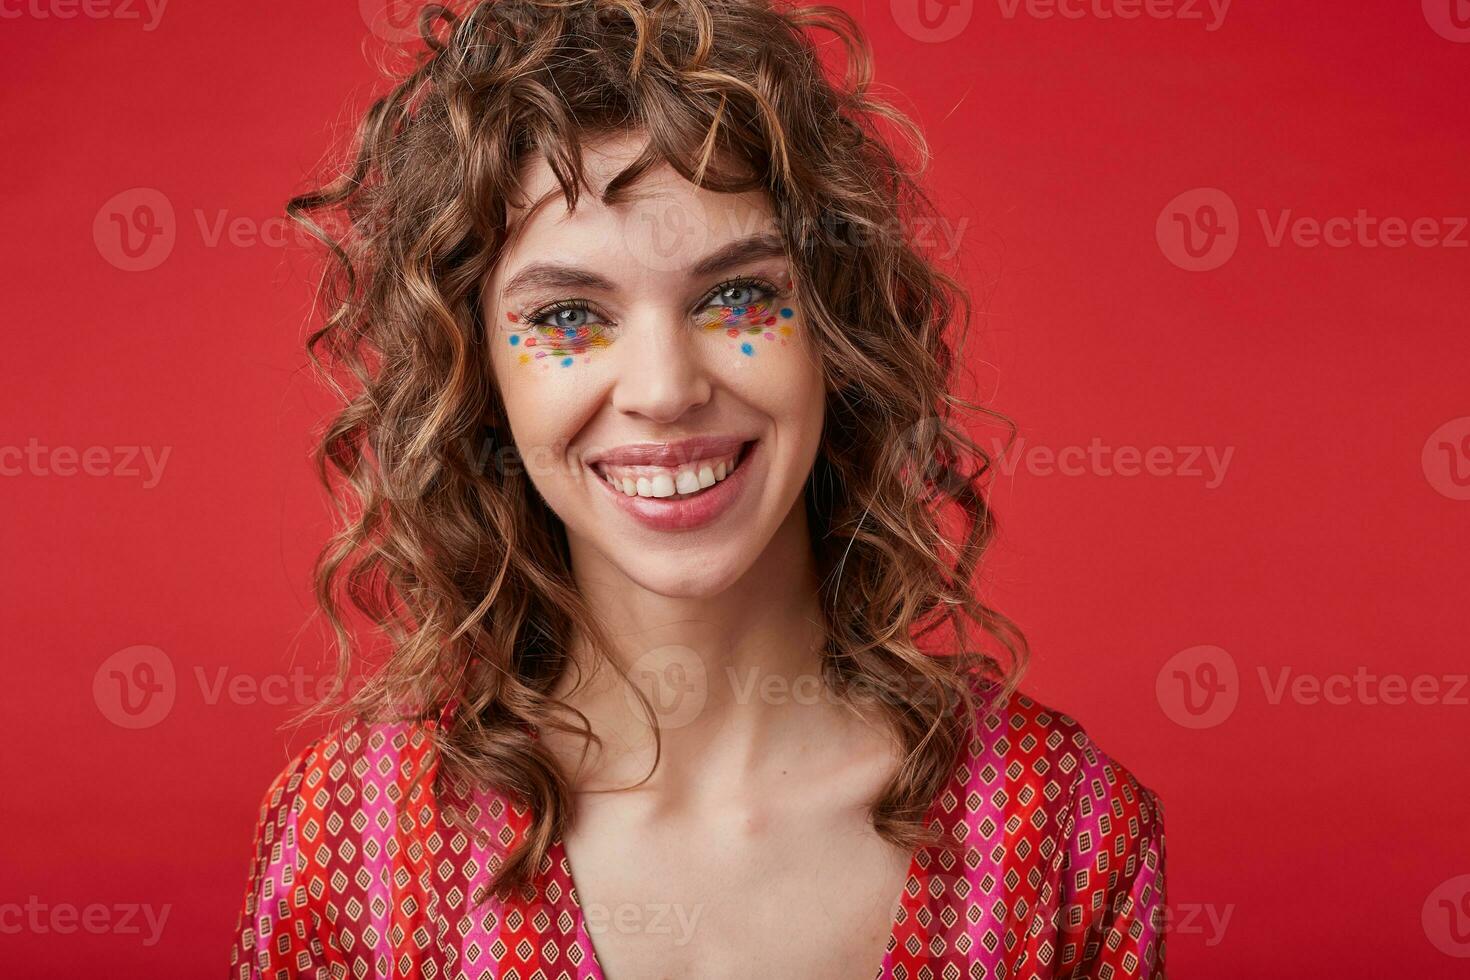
(1320,829)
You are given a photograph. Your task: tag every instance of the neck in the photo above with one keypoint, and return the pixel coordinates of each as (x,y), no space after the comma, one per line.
(733,679)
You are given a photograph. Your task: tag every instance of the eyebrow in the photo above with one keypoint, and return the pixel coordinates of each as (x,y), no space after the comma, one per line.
(558,275)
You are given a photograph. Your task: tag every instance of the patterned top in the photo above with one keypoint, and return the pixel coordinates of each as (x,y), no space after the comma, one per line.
(1059,869)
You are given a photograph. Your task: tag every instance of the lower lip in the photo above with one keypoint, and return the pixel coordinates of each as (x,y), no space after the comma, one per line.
(666,514)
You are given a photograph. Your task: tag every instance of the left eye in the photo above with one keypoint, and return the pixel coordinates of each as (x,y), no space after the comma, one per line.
(740,294)
(575,319)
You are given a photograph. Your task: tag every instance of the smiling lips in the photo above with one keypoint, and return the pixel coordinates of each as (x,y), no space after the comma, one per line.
(664,481)
(675,486)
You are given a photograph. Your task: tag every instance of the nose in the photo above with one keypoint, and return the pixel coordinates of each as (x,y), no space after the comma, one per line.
(662,374)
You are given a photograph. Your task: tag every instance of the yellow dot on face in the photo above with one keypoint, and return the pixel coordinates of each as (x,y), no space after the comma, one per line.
(785,331)
(524,359)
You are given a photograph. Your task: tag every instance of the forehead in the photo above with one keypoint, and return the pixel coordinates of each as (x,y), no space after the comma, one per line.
(661,221)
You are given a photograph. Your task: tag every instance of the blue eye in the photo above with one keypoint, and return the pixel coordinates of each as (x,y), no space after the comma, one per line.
(741,293)
(566,315)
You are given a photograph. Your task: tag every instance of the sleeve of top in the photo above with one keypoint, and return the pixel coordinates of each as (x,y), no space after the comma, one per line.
(280,933)
(1112,921)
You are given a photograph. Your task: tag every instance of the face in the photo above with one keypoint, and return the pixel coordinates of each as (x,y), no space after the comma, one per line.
(660,389)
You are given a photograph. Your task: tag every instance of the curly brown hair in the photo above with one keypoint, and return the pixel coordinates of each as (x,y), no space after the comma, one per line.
(443,544)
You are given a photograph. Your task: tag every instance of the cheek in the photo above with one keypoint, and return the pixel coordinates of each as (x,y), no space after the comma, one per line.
(766,356)
(543,382)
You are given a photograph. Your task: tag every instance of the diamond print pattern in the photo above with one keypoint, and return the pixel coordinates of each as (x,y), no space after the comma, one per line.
(1051,866)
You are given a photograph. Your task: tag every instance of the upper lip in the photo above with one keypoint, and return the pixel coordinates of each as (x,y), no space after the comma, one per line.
(666,453)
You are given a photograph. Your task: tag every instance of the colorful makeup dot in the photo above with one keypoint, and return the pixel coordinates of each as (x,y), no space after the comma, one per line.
(732,332)
(513,318)
(769,336)
(530,341)
(524,359)
(785,331)
(787,312)
(747,350)
(566,362)
(514,340)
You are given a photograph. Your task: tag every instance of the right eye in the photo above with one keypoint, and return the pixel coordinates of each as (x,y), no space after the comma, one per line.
(567,316)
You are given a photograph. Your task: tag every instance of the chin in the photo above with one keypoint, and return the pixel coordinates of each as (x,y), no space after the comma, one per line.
(693,576)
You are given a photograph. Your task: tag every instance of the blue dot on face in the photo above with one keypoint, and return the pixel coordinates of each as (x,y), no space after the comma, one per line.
(747,349)
(514,341)
(566,362)
(786,312)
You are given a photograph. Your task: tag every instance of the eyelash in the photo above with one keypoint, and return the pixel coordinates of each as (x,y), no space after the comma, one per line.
(533,318)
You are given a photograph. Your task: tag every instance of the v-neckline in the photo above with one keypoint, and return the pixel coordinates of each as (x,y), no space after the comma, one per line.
(911,885)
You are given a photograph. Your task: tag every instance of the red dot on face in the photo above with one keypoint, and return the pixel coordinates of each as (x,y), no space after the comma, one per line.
(530,341)
(513,318)
(732,332)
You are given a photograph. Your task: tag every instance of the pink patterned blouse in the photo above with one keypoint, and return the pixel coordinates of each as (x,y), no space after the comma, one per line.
(1059,870)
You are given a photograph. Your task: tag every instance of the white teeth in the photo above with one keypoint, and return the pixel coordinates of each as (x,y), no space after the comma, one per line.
(662,481)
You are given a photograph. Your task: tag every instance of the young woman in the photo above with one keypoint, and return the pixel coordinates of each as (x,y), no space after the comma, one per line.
(653,484)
